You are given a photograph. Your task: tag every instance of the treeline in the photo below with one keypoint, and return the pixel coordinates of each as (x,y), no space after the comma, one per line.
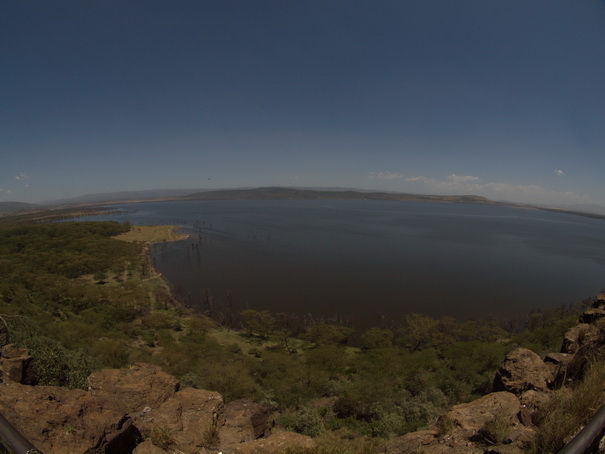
(80,300)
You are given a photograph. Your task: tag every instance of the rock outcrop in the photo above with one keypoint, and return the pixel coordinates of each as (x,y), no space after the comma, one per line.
(502,422)
(244,421)
(17,365)
(59,420)
(140,409)
(523,370)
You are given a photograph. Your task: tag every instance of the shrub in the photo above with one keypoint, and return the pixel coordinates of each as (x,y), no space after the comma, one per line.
(161,320)
(306,421)
(377,338)
(162,437)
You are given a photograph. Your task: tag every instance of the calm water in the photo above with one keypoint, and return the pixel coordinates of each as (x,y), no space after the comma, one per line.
(373,258)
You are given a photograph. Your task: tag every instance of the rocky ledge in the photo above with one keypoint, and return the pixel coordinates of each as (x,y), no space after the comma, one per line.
(139,410)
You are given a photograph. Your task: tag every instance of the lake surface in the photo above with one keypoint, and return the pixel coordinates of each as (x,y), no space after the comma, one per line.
(369,259)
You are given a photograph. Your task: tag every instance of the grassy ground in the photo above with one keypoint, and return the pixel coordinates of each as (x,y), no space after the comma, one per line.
(152,234)
(227,337)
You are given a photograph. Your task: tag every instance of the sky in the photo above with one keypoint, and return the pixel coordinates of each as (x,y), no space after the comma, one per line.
(502,99)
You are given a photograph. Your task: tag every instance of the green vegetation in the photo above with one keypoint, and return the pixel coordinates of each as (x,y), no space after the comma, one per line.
(80,299)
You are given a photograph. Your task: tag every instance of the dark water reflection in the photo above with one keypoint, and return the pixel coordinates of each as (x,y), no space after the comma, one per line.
(372,258)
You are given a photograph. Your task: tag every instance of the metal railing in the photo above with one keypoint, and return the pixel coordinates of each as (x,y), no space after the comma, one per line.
(588,438)
(12,442)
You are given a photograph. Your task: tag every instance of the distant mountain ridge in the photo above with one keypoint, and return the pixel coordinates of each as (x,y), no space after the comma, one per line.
(269,193)
(105,197)
(11,207)
(262,193)
(285,193)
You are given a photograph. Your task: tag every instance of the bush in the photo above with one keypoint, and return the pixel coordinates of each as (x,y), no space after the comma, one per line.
(162,320)
(307,421)
(54,364)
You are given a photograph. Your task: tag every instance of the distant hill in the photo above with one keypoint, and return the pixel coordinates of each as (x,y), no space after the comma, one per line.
(106,197)
(11,207)
(272,193)
(283,193)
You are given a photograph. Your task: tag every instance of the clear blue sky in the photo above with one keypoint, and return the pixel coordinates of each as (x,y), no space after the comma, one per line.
(503,99)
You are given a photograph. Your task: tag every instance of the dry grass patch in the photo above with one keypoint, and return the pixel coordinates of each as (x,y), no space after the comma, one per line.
(569,409)
(151,234)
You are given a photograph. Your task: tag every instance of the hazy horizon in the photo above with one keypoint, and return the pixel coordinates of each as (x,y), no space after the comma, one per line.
(503,100)
(151,194)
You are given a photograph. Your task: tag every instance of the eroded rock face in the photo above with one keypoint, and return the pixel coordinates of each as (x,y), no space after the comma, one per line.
(190,418)
(17,365)
(125,406)
(578,336)
(523,370)
(592,315)
(135,388)
(468,419)
(63,421)
(244,421)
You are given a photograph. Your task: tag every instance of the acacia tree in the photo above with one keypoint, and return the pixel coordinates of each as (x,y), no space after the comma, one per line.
(377,338)
(419,331)
(328,334)
(260,323)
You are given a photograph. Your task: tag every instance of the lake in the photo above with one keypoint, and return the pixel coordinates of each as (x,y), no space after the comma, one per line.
(373,259)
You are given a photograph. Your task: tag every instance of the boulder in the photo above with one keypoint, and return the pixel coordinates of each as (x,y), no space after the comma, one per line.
(521,371)
(592,315)
(17,365)
(135,388)
(471,418)
(244,420)
(577,336)
(190,418)
(62,421)
(277,443)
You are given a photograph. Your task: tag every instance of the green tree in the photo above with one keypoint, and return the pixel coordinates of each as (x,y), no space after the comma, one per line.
(418,332)
(260,323)
(377,338)
(328,334)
